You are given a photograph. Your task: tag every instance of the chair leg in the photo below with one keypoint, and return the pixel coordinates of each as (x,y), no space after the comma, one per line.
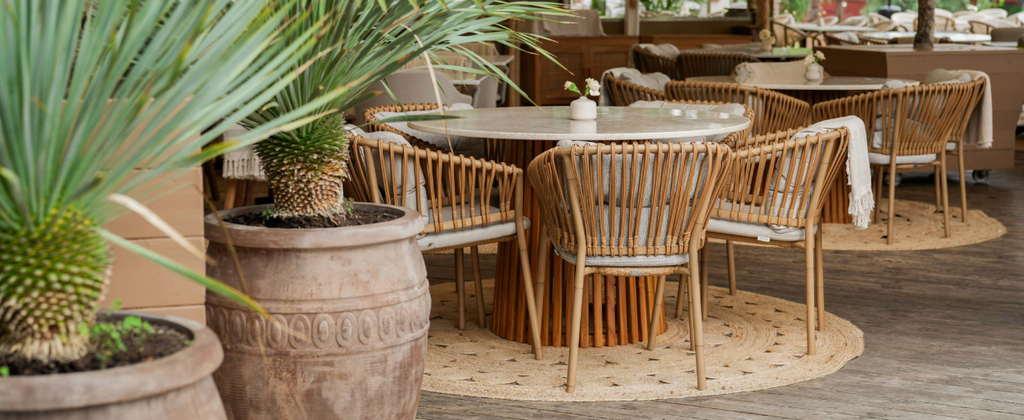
(732,266)
(945,200)
(542,263)
(460,287)
(809,279)
(892,204)
(683,285)
(819,267)
(478,285)
(577,313)
(963,188)
(704,282)
(230,193)
(697,333)
(659,298)
(878,194)
(938,188)
(531,302)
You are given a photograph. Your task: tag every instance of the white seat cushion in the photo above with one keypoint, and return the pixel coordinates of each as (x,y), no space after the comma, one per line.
(494,230)
(655,261)
(755,230)
(881,159)
(664,50)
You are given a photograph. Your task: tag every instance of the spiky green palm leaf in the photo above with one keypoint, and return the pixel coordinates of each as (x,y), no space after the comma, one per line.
(111,97)
(371,40)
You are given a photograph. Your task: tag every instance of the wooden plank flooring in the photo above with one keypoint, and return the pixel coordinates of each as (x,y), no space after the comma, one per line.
(943,329)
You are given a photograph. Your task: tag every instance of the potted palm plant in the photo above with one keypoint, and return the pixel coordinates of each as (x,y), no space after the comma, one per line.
(344,282)
(99,102)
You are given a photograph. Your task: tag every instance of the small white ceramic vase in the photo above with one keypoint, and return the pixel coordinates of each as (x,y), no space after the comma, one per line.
(814,72)
(766,45)
(583,109)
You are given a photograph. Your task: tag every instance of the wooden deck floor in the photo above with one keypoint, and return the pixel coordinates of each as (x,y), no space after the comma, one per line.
(943,329)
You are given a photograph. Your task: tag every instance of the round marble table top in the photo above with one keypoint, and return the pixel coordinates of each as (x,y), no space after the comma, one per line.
(828,83)
(553,123)
(953,36)
(810,27)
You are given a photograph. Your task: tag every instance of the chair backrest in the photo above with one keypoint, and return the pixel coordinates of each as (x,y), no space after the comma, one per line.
(830,20)
(780,180)
(914,120)
(856,21)
(648,62)
(711,63)
(414,86)
(977,90)
(369,116)
(623,93)
(652,201)
(784,18)
(994,13)
(786,35)
(878,18)
(773,111)
(456,191)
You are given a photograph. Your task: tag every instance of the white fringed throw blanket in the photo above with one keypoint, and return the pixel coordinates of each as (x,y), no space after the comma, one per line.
(858,170)
(979,127)
(788,73)
(242,163)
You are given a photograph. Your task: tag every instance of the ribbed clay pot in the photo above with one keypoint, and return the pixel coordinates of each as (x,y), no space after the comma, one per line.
(179,386)
(356,302)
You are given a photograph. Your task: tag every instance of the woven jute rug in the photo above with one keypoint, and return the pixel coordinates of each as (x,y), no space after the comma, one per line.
(917,227)
(752,342)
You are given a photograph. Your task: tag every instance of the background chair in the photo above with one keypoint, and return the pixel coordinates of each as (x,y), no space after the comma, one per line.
(623,93)
(911,127)
(701,63)
(627,210)
(787,36)
(413,87)
(856,21)
(454,195)
(649,62)
(774,190)
(955,147)
(773,111)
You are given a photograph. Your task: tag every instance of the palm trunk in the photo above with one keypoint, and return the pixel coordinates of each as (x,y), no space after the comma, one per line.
(305,171)
(51,281)
(925,25)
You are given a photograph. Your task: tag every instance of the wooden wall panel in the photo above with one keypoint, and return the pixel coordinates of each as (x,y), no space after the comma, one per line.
(584,57)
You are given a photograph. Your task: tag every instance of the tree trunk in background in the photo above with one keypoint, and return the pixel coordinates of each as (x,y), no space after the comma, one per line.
(814,10)
(925,25)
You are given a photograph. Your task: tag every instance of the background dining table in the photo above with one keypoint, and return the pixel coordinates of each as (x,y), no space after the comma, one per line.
(955,37)
(618,309)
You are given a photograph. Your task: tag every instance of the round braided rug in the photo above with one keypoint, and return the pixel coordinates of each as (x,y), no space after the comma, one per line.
(752,342)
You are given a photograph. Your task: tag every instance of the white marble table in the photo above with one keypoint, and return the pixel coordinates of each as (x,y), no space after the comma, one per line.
(552,123)
(530,131)
(956,37)
(810,27)
(842,83)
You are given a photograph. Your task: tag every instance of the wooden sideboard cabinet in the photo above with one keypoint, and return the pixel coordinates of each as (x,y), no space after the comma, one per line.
(582,57)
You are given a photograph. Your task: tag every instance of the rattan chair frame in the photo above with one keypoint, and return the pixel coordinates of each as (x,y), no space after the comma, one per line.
(369,116)
(711,63)
(775,162)
(648,62)
(957,137)
(572,198)
(623,93)
(463,184)
(934,109)
(773,111)
(786,35)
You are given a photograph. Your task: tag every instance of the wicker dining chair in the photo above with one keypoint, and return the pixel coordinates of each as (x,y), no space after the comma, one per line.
(648,62)
(454,195)
(771,196)
(644,217)
(786,36)
(911,127)
(773,111)
(711,63)
(955,147)
(623,93)
(369,115)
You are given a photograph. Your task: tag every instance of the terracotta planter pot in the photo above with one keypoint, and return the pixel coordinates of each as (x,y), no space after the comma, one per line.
(179,386)
(357,304)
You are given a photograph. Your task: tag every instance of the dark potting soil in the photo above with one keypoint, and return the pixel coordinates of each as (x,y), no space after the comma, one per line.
(357,217)
(140,347)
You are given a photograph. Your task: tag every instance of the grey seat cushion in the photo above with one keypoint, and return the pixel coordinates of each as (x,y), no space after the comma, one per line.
(655,261)
(494,230)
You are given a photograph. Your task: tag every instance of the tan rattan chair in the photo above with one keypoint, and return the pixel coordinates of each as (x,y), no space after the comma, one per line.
(916,124)
(455,196)
(369,115)
(644,217)
(648,62)
(623,93)
(773,111)
(786,36)
(955,147)
(709,63)
(775,191)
